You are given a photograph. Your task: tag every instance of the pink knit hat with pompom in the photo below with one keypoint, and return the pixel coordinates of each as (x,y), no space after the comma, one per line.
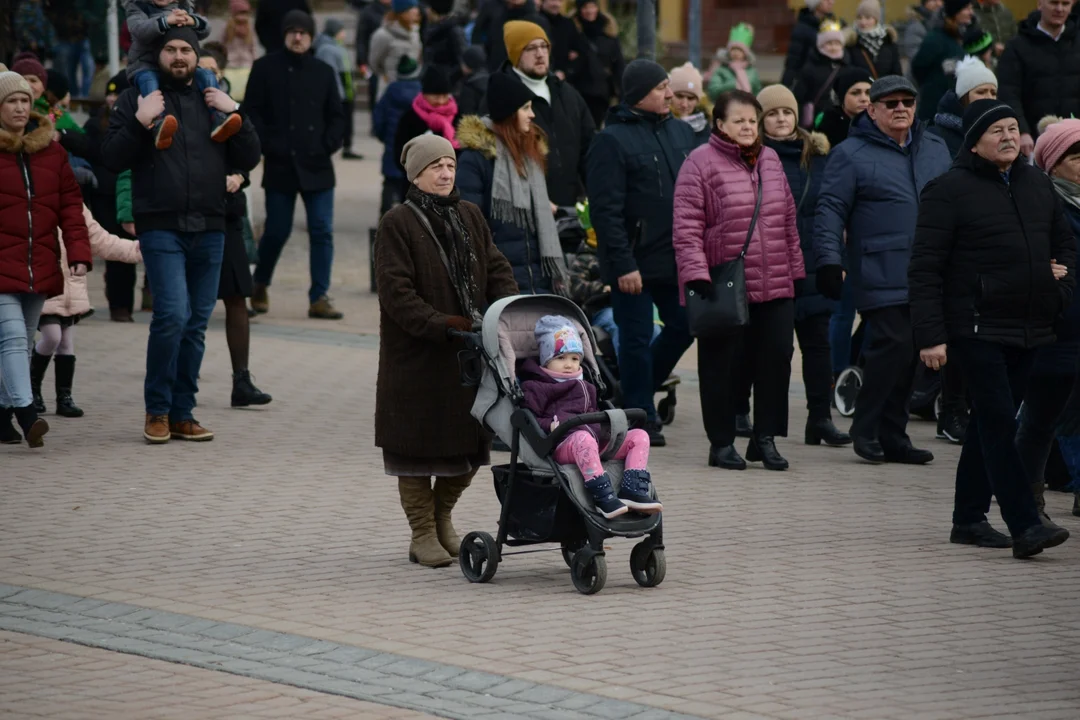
(1056,138)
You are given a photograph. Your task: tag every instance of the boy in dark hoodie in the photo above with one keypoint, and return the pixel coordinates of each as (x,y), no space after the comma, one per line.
(555,390)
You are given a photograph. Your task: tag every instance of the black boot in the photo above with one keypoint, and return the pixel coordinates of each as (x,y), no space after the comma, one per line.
(763,449)
(869,449)
(33,427)
(8,434)
(244,392)
(743,428)
(38,365)
(1036,539)
(1076,504)
(726,457)
(823,430)
(65,375)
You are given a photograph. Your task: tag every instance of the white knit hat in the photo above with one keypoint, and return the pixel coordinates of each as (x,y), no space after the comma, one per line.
(970,74)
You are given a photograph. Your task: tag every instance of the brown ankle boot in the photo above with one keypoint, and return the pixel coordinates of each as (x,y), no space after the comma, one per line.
(447,492)
(418,502)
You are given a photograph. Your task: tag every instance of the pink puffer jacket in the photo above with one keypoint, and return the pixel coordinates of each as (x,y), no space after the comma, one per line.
(75,302)
(714,202)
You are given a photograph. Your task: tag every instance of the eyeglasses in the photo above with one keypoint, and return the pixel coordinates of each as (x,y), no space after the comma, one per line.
(892,104)
(537,49)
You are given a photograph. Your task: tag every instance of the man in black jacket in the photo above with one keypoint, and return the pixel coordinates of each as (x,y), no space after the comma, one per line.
(560,111)
(293,101)
(632,167)
(991,271)
(565,39)
(268,17)
(804,37)
(179,209)
(1039,72)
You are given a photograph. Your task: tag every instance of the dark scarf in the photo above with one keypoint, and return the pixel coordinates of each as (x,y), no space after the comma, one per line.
(749,154)
(444,213)
(596,28)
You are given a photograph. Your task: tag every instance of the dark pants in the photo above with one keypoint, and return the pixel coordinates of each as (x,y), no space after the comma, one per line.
(1044,401)
(598,108)
(280,207)
(120,285)
(881,408)
(350,109)
(768,344)
(840,324)
(953,392)
(372,94)
(644,364)
(990,464)
(393,193)
(813,334)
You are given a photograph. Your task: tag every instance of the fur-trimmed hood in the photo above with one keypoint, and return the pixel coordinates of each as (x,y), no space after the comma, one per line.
(611,26)
(1046,122)
(31,141)
(722,57)
(851,37)
(474,134)
(819,144)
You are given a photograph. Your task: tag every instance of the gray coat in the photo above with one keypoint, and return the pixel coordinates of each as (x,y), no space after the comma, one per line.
(337,57)
(147,24)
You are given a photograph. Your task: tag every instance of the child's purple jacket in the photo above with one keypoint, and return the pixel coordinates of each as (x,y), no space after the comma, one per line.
(548,398)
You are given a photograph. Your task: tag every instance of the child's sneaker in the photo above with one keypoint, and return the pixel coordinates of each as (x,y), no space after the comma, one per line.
(164,128)
(603,496)
(634,492)
(225,126)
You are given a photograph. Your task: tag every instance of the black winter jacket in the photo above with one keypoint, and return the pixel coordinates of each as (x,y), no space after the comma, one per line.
(887,61)
(633,164)
(600,67)
(565,38)
(805,184)
(815,82)
(444,44)
(488,28)
(294,104)
(473,90)
(102,200)
(1040,77)
(569,127)
(1063,357)
(980,266)
(834,124)
(803,42)
(948,123)
(181,189)
(269,15)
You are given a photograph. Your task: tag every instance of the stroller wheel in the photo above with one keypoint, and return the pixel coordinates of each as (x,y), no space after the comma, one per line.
(588,570)
(847,389)
(478,557)
(648,564)
(568,551)
(665,409)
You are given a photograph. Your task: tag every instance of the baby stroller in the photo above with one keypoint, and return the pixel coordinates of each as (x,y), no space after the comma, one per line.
(542,501)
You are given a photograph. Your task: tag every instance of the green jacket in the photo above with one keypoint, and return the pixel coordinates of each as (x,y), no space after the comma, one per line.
(723,80)
(61,118)
(123,198)
(997,20)
(934,69)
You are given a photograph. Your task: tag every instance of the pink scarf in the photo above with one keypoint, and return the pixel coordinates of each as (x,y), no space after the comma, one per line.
(742,80)
(439,119)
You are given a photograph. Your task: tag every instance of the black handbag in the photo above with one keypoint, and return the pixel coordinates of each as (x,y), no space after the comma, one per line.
(728,309)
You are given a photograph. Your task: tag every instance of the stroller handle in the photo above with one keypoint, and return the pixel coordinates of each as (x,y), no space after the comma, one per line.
(525,421)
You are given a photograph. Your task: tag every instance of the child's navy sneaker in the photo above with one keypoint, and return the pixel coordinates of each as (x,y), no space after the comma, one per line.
(225,126)
(603,495)
(634,492)
(164,128)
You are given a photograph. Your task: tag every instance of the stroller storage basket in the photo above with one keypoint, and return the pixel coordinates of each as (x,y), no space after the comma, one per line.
(540,511)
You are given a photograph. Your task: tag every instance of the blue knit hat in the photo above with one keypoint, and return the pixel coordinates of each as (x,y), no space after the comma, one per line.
(557,336)
(400,6)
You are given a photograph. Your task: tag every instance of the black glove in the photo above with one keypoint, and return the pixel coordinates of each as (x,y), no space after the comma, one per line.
(702,288)
(830,281)
(800,287)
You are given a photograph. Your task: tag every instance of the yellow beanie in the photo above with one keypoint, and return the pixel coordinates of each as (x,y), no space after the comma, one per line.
(519,33)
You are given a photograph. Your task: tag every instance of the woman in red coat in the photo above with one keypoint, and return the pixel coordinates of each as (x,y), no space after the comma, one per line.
(38,196)
(715,196)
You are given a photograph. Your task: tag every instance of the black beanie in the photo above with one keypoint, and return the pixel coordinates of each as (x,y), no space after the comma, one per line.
(980,115)
(186,34)
(117,84)
(435,81)
(640,78)
(953,7)
(441,7)
(505,96)
(848,76)
(298,20)
(58,84)
(474,57)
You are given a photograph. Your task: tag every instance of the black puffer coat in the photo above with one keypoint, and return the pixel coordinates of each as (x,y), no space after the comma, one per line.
(805,184)
(980,267)
(815,83)
(1038,76)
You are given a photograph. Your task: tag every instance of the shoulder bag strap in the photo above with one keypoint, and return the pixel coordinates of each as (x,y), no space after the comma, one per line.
(431,231)
(870,62)
(805,189)
(826,87)
(753,220)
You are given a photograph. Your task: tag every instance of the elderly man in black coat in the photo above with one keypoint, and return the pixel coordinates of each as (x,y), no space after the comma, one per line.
(293,101)
(991,272)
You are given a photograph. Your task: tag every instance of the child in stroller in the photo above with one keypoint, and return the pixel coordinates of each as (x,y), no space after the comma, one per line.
(555,387)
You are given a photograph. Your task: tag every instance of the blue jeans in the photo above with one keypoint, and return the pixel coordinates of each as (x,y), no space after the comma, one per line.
(840,325)
(641,368)
(19,315)
(605,319)
(69,58)
(148,81)
(280,207)
(183,270)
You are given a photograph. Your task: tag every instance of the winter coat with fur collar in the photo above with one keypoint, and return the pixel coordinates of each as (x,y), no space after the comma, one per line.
(887,61)
(38,197)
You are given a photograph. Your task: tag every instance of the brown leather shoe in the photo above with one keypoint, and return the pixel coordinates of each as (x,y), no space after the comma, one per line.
(156,430)
(260,300)
(190,430)
(321,309)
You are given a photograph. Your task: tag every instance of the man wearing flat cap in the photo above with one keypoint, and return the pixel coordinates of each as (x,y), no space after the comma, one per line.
(991,271)
(870,192)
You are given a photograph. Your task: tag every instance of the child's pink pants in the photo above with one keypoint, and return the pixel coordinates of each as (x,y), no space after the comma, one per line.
(581,449)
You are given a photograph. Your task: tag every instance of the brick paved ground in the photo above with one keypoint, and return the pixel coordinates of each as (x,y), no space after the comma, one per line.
(828,591)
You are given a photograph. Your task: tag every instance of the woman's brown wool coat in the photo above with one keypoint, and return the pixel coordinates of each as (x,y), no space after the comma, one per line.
(421,408)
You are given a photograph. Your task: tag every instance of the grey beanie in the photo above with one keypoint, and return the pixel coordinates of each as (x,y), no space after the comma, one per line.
(639,78)
(423,150)
(333,26)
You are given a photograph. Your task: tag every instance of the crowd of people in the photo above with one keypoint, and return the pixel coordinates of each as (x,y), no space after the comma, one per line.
(924,178)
